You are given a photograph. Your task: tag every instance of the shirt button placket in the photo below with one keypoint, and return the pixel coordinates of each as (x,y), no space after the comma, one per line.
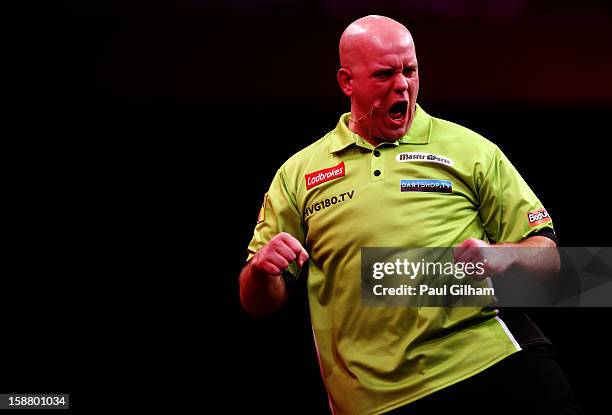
(377,170)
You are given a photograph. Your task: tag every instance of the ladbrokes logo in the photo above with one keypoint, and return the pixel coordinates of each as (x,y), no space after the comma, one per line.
(321,176)
(537,217)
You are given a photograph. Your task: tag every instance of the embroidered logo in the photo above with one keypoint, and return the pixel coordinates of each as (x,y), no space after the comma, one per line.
(262,212)
(538,217)
(426,185)
(424,157)
(321,176)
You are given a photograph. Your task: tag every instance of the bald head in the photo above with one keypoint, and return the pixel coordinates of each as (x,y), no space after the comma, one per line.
(380,75)
(370,32)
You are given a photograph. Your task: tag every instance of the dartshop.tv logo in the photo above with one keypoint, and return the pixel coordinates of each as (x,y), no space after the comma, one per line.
(537,217)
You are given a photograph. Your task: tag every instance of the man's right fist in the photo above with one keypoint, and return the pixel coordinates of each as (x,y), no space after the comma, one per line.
(277,254)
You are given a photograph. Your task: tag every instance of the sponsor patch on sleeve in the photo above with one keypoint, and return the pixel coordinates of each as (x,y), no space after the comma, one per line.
(262,212)
(321,176)
(537,217)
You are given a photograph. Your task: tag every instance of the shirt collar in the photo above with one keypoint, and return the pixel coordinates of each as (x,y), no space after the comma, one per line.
(419,132)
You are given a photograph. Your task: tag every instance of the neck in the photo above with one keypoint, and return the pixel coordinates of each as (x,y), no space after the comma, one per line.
(360,125)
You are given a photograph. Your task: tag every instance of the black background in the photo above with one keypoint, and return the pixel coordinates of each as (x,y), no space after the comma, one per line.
(163,123)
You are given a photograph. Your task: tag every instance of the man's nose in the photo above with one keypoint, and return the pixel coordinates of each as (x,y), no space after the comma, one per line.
(400,82)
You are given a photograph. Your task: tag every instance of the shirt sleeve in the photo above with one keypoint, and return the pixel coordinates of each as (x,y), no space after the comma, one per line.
(509,210)
(278,213)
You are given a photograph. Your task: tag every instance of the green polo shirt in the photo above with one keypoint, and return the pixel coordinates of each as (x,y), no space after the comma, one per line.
(435,187)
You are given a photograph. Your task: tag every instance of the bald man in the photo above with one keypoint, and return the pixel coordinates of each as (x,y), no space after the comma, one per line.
(342,193)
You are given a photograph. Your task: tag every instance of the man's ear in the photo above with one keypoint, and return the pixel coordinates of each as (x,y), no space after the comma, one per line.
(345,80)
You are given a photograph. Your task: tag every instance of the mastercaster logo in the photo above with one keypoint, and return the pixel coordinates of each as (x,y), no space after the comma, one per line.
(538,217)
(426,185)
(321,176)
(425,157)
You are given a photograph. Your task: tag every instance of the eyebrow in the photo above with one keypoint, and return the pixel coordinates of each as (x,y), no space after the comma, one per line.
(388,69)
(383,71)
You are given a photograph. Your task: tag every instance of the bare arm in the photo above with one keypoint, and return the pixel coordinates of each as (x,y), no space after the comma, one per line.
(262,290)
(538,262)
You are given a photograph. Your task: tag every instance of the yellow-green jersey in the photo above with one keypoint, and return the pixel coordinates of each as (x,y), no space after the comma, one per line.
(435,187)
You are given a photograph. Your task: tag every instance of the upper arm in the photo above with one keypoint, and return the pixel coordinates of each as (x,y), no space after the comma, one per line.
(509,209)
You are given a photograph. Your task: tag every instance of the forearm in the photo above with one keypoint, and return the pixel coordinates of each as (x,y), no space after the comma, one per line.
(541,261)
(261,294)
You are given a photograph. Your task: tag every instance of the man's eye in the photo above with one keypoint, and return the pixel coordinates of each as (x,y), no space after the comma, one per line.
(408,71)
(383,74)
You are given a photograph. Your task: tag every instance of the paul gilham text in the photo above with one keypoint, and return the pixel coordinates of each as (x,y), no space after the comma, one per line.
(424,289)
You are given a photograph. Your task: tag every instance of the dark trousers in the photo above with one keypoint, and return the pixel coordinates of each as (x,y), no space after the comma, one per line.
(528,382)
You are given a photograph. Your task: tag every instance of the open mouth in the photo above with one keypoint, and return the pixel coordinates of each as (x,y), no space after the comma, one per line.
(398,110)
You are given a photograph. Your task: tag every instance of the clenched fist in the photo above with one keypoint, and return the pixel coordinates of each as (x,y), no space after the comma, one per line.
(277,254)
